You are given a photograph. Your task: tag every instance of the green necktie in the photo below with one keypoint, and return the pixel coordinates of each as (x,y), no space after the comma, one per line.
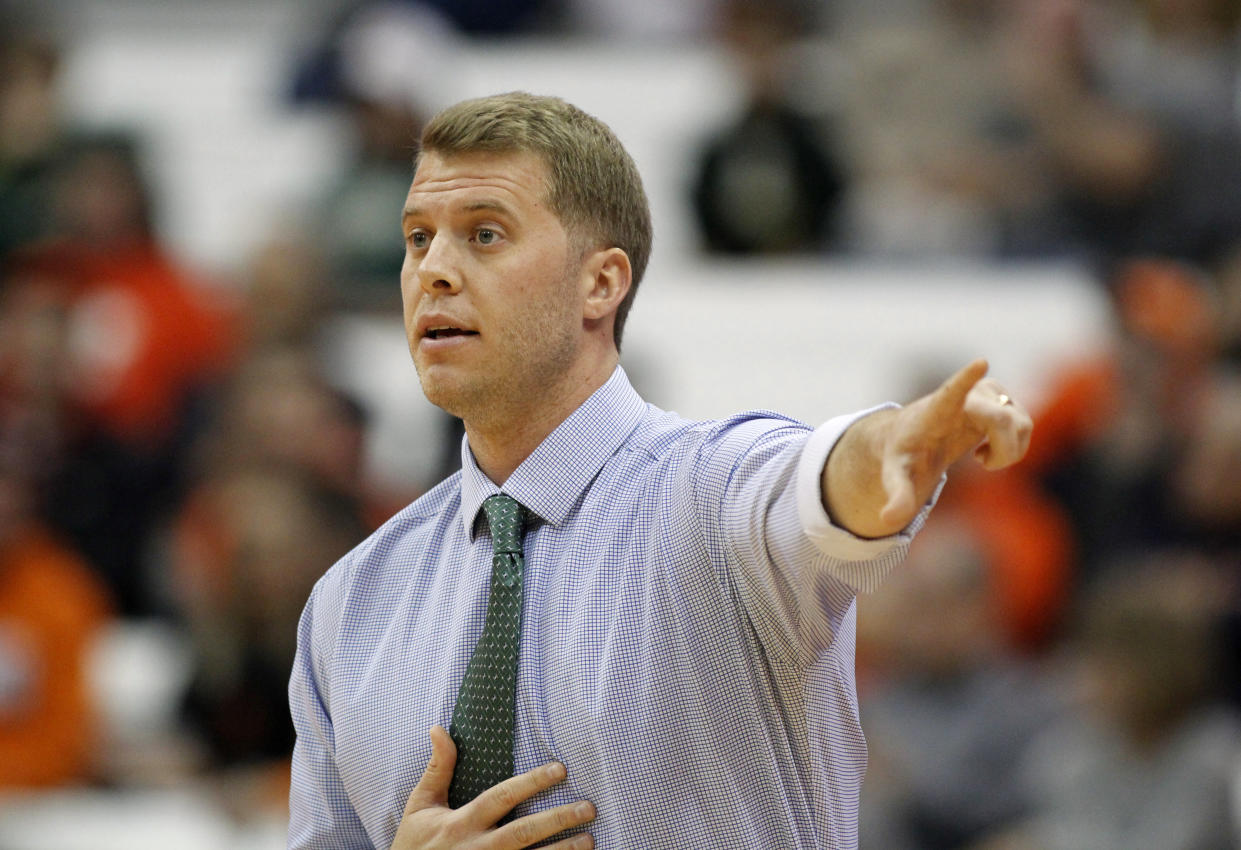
(482,722)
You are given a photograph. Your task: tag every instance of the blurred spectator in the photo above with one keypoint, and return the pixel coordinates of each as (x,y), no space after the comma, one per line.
(1046,127)
(52,607)
(943,159)
(950,709)
(768,183)
(277,422)
(1148,761)
(1175,61)
(252,544)
(140,342)
(1123,431)
(276,496)
(278,409)
(1029,545)
(286,295)
(389,66)
(1133,106)
(147,333)
(31,134)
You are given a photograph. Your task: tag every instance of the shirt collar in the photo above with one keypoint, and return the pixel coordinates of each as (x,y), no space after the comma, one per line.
(551,480)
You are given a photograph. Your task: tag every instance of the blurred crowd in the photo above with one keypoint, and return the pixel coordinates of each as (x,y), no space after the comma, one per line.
(1055,668)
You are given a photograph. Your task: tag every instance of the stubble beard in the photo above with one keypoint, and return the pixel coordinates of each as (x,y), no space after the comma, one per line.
(536,354)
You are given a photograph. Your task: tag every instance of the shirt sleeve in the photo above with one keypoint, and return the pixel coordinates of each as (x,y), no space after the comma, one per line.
(795,571)
(320,814)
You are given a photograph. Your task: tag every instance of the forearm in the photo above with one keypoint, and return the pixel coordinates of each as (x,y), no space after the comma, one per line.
(851,485)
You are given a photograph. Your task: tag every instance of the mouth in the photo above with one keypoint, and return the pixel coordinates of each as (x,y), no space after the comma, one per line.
(445,332)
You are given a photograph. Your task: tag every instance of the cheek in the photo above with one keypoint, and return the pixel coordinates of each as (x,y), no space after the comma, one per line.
(411,292)
(543,313)
(407,276)
(551,292)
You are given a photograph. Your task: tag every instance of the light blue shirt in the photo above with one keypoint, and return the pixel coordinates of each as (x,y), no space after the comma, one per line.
(687,645)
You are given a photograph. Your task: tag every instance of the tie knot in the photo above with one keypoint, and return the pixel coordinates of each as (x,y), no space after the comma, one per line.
(506,518)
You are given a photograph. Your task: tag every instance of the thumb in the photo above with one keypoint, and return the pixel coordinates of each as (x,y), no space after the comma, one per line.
(432,788)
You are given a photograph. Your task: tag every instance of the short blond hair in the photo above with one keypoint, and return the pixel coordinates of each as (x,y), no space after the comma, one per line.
(593,184)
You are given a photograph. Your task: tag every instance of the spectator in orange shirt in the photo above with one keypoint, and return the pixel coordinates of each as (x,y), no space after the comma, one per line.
(1120,426)
(146,332)
(51,608)
(142,344)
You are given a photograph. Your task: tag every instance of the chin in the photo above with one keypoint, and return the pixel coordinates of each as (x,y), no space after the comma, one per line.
(438,391)
(448,392)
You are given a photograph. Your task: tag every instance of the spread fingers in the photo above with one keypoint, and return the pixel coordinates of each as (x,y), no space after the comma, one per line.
(531,829)
(501,798)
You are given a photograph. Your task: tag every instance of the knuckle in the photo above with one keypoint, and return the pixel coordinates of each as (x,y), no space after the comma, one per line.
(524,832)
(506,795)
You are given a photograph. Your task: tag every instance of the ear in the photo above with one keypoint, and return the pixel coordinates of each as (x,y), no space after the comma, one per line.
(606,277)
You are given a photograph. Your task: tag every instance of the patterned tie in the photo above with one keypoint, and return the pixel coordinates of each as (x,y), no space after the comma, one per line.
(482,722)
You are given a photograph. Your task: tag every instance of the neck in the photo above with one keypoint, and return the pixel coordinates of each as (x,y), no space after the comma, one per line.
(504,438)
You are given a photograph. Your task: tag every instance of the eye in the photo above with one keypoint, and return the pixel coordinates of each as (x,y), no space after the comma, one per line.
(486,236)
(419,239)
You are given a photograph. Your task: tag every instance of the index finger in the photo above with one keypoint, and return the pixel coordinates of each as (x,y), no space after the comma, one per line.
(950,397)
(488,807)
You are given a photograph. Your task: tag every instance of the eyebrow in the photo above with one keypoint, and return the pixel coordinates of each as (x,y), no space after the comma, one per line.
(474,206)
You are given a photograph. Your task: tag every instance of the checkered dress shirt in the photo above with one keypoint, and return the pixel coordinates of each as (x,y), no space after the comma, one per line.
(687,647)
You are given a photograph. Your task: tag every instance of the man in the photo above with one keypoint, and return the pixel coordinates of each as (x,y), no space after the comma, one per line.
(684,676)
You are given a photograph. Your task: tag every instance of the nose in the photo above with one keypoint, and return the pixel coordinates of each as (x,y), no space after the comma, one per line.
(437,270)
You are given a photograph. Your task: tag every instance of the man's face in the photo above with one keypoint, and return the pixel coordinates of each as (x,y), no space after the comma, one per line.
(490,284)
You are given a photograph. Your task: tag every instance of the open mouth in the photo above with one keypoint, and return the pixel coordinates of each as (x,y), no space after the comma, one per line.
(444,333)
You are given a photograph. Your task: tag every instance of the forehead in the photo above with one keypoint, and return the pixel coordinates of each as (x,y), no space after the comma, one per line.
(509,179)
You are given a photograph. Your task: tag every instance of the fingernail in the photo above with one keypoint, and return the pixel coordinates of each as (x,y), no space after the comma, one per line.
(555,770)
(584,810)
(584,840)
